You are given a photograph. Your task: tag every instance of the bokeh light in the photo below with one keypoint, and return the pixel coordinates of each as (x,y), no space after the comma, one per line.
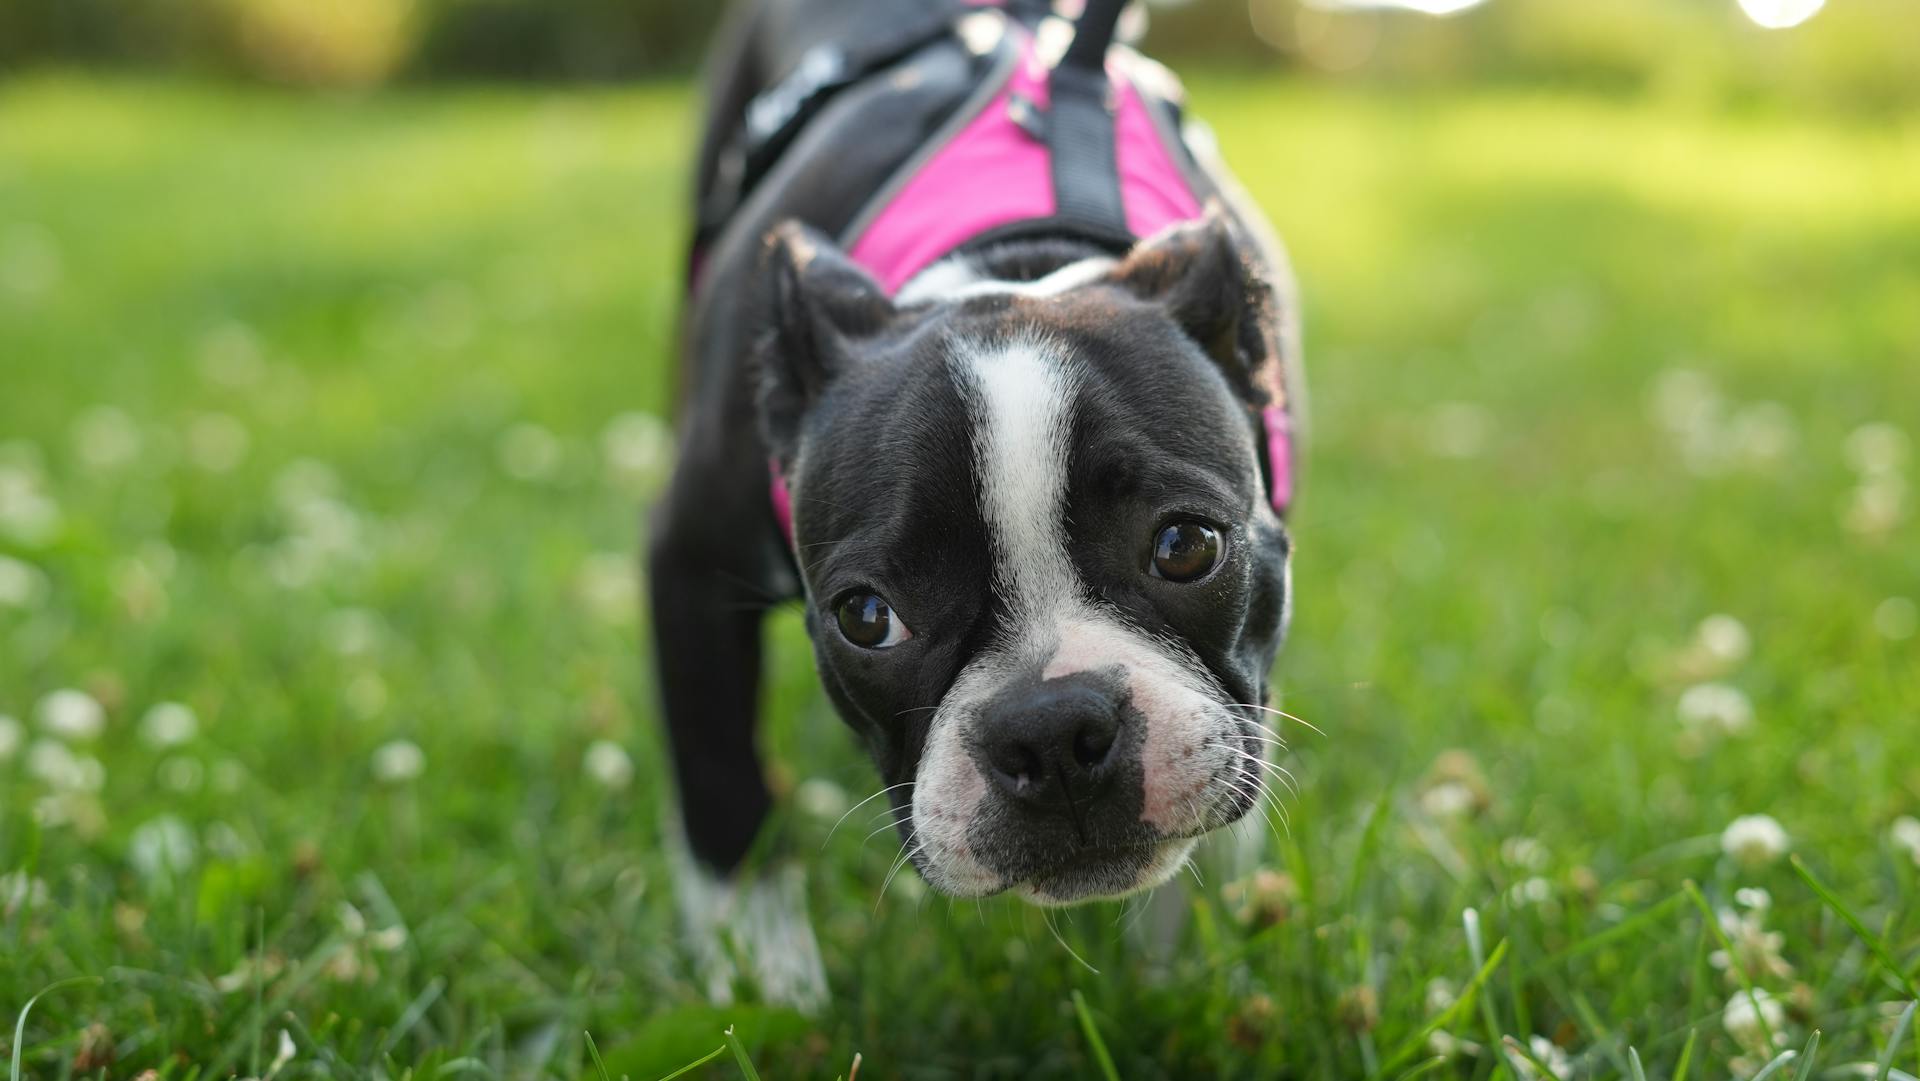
(1780,14)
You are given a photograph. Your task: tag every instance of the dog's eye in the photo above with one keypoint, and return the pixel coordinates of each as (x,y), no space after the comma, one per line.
(867,622)
(1185,551)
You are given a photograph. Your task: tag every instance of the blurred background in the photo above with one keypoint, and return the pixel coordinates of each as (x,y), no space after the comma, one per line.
(1856,55)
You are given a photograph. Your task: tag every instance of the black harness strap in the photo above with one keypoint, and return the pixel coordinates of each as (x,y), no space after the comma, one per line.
(1080,126)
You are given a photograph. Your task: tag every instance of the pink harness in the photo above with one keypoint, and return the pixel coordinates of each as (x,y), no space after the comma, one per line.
(994,172)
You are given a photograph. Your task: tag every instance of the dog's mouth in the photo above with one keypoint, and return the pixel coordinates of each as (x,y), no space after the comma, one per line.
(1106,873)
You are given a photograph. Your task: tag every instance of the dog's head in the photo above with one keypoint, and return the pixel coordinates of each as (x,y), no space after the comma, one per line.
(1044,581)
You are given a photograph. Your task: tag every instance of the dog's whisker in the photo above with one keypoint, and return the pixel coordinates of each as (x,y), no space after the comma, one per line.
(893,824)
(1277,772)
(857,806)
(1260,796)
(906,856)
(1280,712)
(1046,916)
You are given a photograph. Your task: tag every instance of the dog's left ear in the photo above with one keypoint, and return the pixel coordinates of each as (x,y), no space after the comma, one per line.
(1197,271)
(817,305)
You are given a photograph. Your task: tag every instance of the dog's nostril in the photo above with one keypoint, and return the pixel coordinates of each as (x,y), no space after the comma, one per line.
(1022,764)
(1091,744)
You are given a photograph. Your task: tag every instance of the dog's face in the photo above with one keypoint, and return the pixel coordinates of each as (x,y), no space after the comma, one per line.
(1044,581)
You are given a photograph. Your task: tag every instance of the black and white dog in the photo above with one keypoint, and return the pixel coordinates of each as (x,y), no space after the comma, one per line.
(1023,463)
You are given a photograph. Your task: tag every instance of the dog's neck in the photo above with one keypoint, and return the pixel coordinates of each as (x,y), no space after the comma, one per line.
(1027,266)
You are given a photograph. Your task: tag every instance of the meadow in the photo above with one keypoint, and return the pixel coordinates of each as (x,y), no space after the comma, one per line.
(327,748)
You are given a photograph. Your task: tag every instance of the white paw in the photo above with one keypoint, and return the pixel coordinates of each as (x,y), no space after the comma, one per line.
(758,925)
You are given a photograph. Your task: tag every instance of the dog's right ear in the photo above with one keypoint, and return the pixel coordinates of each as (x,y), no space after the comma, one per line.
(818,304)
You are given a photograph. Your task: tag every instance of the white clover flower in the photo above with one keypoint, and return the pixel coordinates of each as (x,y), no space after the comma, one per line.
(1524,852)
(366,694)
(398,762)
(281,1057)
(182,774)
(1754,841)
(529,452)
(388,939)
(20,890)
(1724,638)
(1685,399)
(1755,953)
(1878,505)
(1877,449)
(1441,995)
(168,724)
(228,775)
(217,442)
(608,586)
(1743,1015)
(608,764)
(1896,619)
(104,437)
(30,260)
(303,479)
(1531,891)
(229,356)
(636,448)
(63,771)
(1448,799)
(821,798)
(22,585)
(13,735)
(1763,433)
(1548,1052)
(1458,429)
(354,632)
(1716,706)
(27,513)
(72,715)
(162,848)
(1905,835)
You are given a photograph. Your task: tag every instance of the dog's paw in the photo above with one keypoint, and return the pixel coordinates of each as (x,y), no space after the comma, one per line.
(755,925)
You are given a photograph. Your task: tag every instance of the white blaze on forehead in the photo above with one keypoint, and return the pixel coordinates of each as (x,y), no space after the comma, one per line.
(1020,398)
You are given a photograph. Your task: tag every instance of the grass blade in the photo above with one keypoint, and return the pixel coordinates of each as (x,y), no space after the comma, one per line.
(697,1063)
(740,1056)
(1449,1015)
(1638,1071)
(1841,910)
(594,1050)
(1092,1031)
(1807,1053)
(1425,1068)
(1778,1064)
(1516,1048)
(1686,1057)
(20,1025)
(1893,1041)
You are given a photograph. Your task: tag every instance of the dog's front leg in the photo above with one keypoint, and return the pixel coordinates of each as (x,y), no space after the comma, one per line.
(707,615)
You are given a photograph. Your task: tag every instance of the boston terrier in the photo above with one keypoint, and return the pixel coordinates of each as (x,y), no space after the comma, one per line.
(989,363)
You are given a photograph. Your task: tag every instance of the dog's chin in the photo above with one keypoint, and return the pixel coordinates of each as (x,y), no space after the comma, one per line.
(1105,875)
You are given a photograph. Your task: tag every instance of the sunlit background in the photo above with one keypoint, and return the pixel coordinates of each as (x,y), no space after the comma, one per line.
(1858,52)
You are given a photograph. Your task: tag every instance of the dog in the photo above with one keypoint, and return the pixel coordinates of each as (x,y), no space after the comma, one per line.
(989,363)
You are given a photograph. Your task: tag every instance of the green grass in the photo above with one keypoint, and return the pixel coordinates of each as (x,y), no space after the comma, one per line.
(1515,517)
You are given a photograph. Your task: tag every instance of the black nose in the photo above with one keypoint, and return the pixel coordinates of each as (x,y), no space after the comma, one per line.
(1050,744)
